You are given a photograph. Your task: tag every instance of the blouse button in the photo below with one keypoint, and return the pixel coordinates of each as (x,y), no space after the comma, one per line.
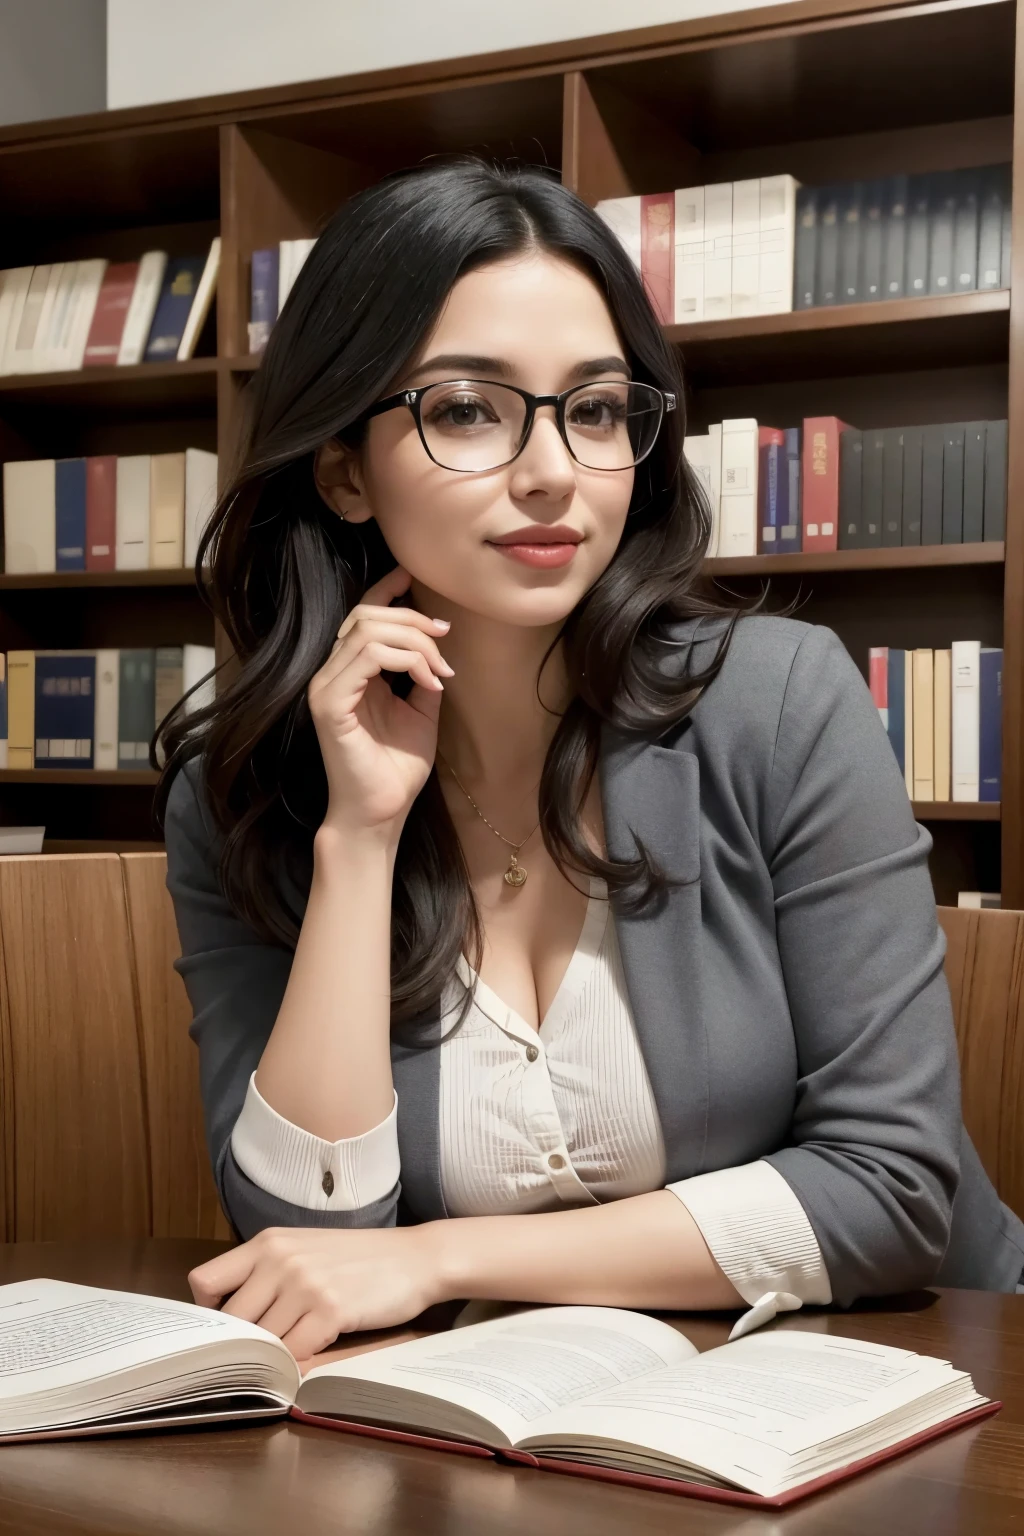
(532,1053)
(556,1160)
(328,1184)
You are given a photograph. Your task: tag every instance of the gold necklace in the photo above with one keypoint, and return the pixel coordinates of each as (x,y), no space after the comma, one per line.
(515,875)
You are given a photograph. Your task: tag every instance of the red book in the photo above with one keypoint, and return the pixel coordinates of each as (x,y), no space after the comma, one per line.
(100,513)
(820,509)
(109,316)
(878,679)
(657,256)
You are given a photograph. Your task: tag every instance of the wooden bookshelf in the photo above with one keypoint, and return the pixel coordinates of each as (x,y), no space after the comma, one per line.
(828,90)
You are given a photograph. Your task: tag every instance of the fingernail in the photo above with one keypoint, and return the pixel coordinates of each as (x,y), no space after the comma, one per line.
(442,623)
(449,671)
(438,684)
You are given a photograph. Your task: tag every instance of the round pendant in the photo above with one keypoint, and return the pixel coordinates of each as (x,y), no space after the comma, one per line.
(515,875)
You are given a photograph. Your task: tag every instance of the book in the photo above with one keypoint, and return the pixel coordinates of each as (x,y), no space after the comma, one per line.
(933,441)
(878,680)
(41,349)
(84,297)
(293,254)
(621,214)
(772,486)
(263,297)
(100,512)
(573,1389)
(689,254)
(30,523)
(197,668)
(826,271)
(166,510)
(924,726)
(1006,251)
(103,343)
(895,694)
(994,520)
(69,514)
(136,707)
(894,237)
(718,251)
(21,840)
(746,246)
(965,722)
(200,498)
(697,452)
(805,253)
(132,520)
(953,484)
(24,325)
(910,518)
(142,308)
(872,232)
(986,900)
(965,231)
(908,722)
(915,282)
(851,493)
(3,710)
(990,227)
(873,476)
(892,487)
(715,465)
(168,679)
(942,707)
(790,528)
(973,529)
(990,723)
(739,488)
(177,295)
(657,253)
(105,725)
(850,242)
(942,210)
(201,304)
(820,510)
(21,709)
(12,302)
(778,196)
(55,343)
(65,709)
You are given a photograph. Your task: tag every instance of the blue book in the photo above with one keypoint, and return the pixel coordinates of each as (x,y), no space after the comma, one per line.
(769,478)
(69,506)
(990,743)
(896,694)
(263,301)
(3,710)
(65,709)
(789,526)
(181,280)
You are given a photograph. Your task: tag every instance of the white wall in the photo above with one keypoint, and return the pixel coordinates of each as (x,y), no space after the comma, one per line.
(52,58)
(160,51)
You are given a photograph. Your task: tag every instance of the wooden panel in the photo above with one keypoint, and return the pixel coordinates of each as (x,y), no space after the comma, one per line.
(612,146)
(80,1167)
(984,964)
(184,1200)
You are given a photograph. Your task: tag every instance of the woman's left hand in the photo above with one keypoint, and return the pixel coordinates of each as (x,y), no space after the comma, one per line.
(307,1285)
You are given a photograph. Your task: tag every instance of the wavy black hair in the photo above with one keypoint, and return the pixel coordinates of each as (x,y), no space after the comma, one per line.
(284,570)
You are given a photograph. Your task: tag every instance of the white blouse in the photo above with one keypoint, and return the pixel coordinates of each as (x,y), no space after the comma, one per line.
(542,1120)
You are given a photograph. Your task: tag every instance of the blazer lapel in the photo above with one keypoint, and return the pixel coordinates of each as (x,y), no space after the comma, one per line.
(416,1071)
(651,793)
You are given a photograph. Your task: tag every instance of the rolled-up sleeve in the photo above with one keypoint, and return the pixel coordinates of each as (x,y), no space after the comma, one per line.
(874,1158)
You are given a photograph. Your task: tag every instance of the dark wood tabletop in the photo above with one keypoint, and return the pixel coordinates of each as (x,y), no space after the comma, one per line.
(292,1478)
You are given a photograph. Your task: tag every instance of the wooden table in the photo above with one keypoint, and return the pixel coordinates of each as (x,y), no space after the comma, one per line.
(299,1481)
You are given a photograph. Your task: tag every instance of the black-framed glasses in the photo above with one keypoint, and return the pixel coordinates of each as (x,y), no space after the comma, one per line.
(471,425)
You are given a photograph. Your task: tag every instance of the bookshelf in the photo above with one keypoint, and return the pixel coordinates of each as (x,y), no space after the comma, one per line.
(828,90)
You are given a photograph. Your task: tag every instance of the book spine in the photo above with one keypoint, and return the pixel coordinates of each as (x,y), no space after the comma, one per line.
(892,487)
(105,728)
(200,498)
(895,696)
(940,248)
(791,529)
(15,293)
(657,264)
(966,712)
(21,709)
(826,274)
(994,522)
(806,248)
(974,482)
(136,716)
(965,231)
(69,514)
(908,721)
(101,513)
(167,511)
(913,448)
(777,241)
(88,282)
(41,348)
(65,709)
(697,453)
(894,237)
(878,680)
(1006,251)
(168,679)
(142,308)
(953,484)
(932,444)
(941,706)
(915,282)
(263,297)
(851,243)
(739,488)
(990,724)
(181,279)
(133,477)
(851,490)
(621,214)
(820,510)
(872,230)
(21,339)
(201,304)
(924,725)
(715,469)
(198,663)
(30,521)
(990,228)
(103,344)
(771,452)
(718,251)
(3,702)
(746,242)
(689,255)
(59,327)
(873,485)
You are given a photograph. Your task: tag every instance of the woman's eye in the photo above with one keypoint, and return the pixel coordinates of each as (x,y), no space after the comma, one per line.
(595,413)
(461,411)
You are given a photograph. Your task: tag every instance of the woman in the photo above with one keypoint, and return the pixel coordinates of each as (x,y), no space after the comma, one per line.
(554,933)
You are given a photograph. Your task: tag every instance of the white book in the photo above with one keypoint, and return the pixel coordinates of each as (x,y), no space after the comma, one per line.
(30,523)
(689,255)
(966,721)
(40,359)
(291,255)
(746,245)
(205,290)
(132,513)
(697,450)
(196,663)
(908,722)
(105,729)
(88,282)
(739,488)
(20,839)
(718,251)
(142,308)
(622,215)
(58,329)
(21,337)
(979,900)
(715,434)
(12,306)
(777,244)
(200,497)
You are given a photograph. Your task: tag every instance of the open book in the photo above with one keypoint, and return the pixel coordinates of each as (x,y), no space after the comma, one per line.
(591,1390)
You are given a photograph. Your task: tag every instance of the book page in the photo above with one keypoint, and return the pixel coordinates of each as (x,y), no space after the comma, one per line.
(513,1371)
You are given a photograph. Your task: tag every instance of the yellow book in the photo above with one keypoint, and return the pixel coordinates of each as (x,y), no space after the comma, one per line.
(924,726)
(167,511)
(21,709)
(908,721)
(943,723)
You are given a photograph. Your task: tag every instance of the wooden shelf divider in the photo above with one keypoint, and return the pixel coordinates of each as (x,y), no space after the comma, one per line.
(89,778)
(43,580)
(915,557)
(957,810)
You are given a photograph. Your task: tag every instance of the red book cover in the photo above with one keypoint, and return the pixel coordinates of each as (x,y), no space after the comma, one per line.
(100,513)
(110,313)
(878,678)
(820,510)
(657,257)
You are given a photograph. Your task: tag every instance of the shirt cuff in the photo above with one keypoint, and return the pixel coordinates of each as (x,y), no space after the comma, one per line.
(296,1166)
(759,1236)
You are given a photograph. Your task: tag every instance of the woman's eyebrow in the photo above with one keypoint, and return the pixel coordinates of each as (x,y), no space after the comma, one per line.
(465,365)
(598,366)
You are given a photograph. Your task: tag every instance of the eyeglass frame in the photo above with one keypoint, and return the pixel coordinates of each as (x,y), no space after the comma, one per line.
(413,399)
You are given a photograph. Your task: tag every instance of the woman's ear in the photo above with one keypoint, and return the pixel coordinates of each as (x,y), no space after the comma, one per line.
(337,475)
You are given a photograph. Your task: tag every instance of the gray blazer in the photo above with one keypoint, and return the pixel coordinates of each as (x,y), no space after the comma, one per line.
(789,998)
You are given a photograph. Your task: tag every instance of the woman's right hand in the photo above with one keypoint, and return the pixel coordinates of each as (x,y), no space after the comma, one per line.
(378,749)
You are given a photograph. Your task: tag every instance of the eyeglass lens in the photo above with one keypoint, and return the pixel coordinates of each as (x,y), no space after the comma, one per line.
(477,426)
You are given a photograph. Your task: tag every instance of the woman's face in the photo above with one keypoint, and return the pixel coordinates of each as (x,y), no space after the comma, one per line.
(532,321)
